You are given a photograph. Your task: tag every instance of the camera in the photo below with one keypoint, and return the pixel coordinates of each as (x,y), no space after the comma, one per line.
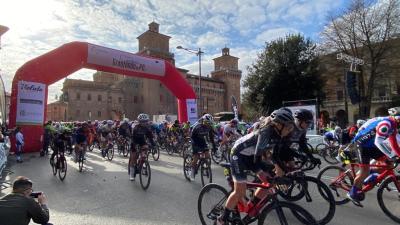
(35,194)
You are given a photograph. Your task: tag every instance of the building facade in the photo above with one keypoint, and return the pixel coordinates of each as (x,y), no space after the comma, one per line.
(114,96)
(386,88)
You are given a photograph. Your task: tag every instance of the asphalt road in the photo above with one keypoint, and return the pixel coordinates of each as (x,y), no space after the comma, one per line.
(103,194)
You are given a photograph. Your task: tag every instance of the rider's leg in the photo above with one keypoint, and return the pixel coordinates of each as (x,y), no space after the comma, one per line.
(132,162)
(364,155)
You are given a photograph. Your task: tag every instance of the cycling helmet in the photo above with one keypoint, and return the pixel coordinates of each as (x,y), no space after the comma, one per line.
(282,115)
(338,130)
(143,117)
(125,120)
(304,115)
(360,122)
(104,122)
(207,118)
(176,122)
(395,111)
(110,122)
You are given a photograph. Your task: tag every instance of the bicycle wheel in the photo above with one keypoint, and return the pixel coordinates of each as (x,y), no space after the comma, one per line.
(388,198)
(310,148)
(206,173)
(145,174)
(80,161)
(321,149)
(330,155)
(126,150)
(169,149)
(217,156)
(210,203)
(286,213)
(62,172)
(187,166)
(53,164)
(110,152)
(315,194)
(155,152)
(338,180)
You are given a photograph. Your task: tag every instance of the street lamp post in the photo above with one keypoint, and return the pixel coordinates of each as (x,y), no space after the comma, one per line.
(198,53)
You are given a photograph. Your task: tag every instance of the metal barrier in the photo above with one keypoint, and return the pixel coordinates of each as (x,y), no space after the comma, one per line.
(4,151)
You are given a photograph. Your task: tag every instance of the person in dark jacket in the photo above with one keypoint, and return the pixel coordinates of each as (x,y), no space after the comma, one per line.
(18,207)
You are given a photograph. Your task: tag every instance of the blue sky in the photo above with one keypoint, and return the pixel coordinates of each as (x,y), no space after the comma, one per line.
(39,26)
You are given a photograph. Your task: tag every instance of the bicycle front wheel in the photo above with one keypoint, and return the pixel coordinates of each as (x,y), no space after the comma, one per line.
(110,152)
(187,166)
(145,175)
(217,156)
(155,151)
(53,164)
(80,162)
(388,198)
(210,203)
(285,213)
(62,171)
(339,180)
(330,155)
(206,173)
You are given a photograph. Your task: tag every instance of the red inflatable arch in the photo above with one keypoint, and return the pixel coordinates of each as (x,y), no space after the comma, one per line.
(29,87)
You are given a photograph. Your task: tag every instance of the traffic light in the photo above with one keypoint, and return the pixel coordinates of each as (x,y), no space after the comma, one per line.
(351,85)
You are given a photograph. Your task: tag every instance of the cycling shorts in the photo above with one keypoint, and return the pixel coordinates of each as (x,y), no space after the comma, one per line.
(242,163)
(365,154)
(199,146)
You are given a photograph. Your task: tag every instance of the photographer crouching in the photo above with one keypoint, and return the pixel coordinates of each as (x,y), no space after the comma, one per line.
(20,206)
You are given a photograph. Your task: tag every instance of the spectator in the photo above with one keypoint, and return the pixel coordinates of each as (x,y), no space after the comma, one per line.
(19,139)
(18,207)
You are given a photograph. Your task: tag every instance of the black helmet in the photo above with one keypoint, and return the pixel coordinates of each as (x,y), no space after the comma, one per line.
(304,115)
(282,115)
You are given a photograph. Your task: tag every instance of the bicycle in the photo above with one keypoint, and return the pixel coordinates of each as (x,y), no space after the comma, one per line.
(80,157)
(327,152)
(340,181)
(299,190)
(155,152)
(217,196)
(59,164)
(203,163)
(123,146)
(222,154)
(142,167)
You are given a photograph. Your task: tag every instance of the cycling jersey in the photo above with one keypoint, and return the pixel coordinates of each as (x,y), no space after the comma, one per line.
(124,130)
(199,135)
(374,133)
(80,136)
(228,130)
(331,136)
(139,134)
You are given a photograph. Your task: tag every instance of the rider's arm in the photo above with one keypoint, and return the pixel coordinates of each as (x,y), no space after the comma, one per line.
(382,133)
(211,136)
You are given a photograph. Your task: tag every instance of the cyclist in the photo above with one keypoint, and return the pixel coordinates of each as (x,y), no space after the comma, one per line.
(354,129)
(124,129)
(247,154)
(81,139)
(376,139)
(106,136)
(140,132)
(332,137)
(199,134)
(229,133)
(303,119)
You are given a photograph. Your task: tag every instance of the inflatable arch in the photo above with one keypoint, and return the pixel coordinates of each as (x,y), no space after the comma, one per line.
(29,87)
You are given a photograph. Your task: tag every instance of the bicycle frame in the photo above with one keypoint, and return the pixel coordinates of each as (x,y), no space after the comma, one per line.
(388,172)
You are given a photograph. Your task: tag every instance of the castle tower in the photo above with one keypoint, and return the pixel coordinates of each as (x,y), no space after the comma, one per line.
(226,69)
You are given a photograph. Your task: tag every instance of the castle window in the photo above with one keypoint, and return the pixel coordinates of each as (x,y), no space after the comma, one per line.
(78,96)
(89,97)
(339,95)
(135,99)
(99,98)
(98,113)
(119,100)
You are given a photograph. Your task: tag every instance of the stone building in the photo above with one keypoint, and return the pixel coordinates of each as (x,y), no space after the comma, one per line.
(114,96)
(386,88)
(57,111)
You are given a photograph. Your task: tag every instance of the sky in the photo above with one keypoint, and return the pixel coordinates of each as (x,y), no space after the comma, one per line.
(244,26)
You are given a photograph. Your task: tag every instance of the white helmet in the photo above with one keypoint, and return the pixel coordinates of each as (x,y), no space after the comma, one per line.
(338,130)
(360,122)
(395,111)
(125,120)
(143,117)
(207,118)
(110,122)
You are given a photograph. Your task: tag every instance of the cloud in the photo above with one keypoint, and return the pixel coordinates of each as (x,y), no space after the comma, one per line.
(211,39)
(273,34)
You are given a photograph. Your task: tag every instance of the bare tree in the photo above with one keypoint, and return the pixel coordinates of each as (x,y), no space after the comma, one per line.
(364,30)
